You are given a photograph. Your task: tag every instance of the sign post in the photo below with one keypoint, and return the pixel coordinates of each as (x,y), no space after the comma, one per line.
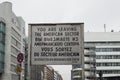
(56,44)
(20,58)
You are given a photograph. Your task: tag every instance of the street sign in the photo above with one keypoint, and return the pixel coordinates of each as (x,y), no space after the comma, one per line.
(20,57)
(56,44)
(18,69)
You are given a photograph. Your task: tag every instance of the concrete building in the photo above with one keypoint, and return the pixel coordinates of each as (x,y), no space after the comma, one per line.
(89,63)
(37,72)
(43,72)
(107,53)
(48,73)
(12,33)
(26,59)
(76,72)
(57,76)
(88,72)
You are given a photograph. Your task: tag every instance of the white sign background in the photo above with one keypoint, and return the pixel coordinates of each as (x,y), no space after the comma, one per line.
(56,44)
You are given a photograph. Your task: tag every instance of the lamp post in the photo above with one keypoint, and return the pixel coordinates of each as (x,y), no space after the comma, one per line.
(100,75)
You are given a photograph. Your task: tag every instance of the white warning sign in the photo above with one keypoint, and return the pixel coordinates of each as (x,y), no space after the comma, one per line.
(56,44)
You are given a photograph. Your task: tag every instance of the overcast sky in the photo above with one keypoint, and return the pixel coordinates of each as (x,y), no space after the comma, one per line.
(94,13)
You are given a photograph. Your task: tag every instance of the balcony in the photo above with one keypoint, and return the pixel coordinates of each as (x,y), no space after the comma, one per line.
(88,59)
(89,74)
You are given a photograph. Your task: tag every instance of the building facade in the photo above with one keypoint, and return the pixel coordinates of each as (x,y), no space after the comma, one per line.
(48,73)
(26,60)
(44,72)
(88,72)
(12,33)
(89,63)
(37,72)
(76,72)
(107,53)
(57,76)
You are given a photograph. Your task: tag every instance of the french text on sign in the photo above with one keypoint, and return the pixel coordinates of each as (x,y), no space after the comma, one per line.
(60,44)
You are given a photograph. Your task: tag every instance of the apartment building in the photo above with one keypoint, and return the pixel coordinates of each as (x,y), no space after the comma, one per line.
(76,72)
(48,73)
(44,72)
(57,76)
(37,72)
(88,72)
(12,33)
(107,53)
(89,63)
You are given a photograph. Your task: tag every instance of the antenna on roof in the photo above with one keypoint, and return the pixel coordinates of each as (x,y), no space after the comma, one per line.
(104,27)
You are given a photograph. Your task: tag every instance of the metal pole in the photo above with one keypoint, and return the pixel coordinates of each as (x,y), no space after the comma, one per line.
(100,75)
(82,58)
(19,76)
(20,73)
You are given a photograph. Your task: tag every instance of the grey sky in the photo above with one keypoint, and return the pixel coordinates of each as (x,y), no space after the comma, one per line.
(94,13)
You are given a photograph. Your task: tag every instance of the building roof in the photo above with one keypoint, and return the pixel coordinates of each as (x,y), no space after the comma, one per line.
(101,36)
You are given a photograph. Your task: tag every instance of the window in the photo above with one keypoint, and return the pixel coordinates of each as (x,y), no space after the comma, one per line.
(23,30)
(110,72)
(14,50)
(14,21)
(1,67)
(76,66)
(13,59)
(1,57)
(107,49)
(108,57)
(2,27)
(2,45)
(15,42)
(77,73)
(103,43)
(12,68)
(107,64)
(14,77)
(16,34)
(2,37)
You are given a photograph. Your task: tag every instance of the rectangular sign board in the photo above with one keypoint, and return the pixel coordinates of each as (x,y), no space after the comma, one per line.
(56,44)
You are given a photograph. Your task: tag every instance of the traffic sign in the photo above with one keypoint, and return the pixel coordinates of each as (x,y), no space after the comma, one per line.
(20,57)
(18,69)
